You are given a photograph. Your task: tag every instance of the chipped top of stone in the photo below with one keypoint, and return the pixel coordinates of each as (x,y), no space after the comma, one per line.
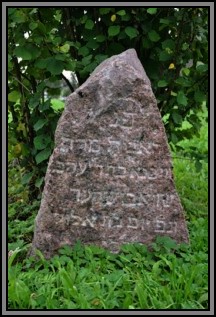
(129,58)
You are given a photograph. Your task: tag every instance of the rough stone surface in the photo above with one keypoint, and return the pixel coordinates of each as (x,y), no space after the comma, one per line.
(109,180)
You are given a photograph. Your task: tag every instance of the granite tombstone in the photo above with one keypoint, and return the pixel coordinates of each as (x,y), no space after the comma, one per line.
(109,179)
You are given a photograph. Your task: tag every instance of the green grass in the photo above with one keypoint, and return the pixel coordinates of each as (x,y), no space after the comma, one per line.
(169,276)
(91,277)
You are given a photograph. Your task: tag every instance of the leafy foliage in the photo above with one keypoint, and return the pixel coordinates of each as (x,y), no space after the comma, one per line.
(171,43)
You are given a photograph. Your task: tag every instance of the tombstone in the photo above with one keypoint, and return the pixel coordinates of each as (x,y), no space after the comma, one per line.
(109,179)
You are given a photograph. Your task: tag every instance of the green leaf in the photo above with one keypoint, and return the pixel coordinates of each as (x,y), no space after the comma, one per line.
(90,67)
(142,295)
(41,141)
(164,56)
(23,52)
(10,118)
(41,63)
(44,105)
(113,30)
(173,93)
(153,36)
(58,15)
(100,38)
(84,51)
(19,16)
(34,101)
(39,182)
(42,27)
(11,11)
(57,40)
(152,10)
(83,19)
(202,68)
(61,57)
(165,118)
(198,166)
(27,52)
(35,51)
(39,124)
(177,118)
(168,44)
(76,44)
(126,17)
(114,276)
(14,95)
(33,25)
(17,149)
(54,66)
(21,127)
(162,83)
(26,178)
(104,10)
(181,98)
(174,138)
(41,86)
(10,65)
(33,11)
(43,155)
(89,24)
(156,270)
(121,12)
(186,71)
(87,59)
(92,44)
(185,46)
(71,65)
(131,32)
(182,81)
(165,21)
(199,96)
(146,43)
(203,298)
(64,48)
(12,257)
(100,58)
(57,104)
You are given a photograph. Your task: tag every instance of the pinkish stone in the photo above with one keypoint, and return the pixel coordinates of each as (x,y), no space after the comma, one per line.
(109,180)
